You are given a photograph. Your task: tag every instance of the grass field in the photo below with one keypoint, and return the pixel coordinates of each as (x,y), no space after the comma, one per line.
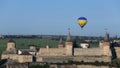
(23,43)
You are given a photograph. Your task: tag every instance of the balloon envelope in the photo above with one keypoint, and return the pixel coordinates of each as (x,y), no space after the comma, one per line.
(82,21)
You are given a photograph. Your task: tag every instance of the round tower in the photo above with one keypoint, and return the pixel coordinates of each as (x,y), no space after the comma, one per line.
(32,47)
(69,45)
(106,45)
(11,46)
(106,38)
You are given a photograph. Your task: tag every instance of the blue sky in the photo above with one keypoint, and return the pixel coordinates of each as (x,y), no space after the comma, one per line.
(54,17)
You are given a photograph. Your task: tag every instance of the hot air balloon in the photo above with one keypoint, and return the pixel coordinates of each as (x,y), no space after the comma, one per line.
(82,21)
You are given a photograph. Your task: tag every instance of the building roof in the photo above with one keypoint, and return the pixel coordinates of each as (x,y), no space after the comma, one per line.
(69,37)
(11,40)
(106,38)
(28,50)
(25,53)
(61,41)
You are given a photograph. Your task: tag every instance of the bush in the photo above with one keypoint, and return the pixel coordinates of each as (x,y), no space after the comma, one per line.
(39,66)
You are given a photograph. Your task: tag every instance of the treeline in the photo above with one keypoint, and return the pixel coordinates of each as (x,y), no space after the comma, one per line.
(91,39)
(21,36)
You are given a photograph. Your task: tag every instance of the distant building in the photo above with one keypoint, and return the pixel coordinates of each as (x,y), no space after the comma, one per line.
(84,45)
(117,41)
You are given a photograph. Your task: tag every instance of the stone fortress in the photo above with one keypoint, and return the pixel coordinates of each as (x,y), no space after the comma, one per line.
(62,53)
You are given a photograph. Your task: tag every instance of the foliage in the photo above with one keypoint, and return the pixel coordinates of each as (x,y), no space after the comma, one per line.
(39,66)
(115,63)
(96,63)
(75,43)
(3,61)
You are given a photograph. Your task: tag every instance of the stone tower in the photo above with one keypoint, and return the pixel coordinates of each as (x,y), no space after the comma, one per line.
(106,45)
(11,46)
(32,47)
(60,45)
(106,38)
(69,45)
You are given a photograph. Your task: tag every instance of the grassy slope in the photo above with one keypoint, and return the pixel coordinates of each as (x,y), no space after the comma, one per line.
(3,43)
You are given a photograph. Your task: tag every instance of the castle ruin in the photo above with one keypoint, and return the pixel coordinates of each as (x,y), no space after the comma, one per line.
(60,54)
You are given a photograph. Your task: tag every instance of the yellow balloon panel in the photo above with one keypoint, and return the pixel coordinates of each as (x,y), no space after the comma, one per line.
(82,22)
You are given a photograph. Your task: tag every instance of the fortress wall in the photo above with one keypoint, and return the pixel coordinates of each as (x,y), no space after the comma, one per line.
(77,52)
(39,59)
(92,58)
(91,66)
(79,59)
(4,56)
(88,52)
(17,65)
(117,49)
(25,58)
(53,59)
(18,58)
(107,51)
(10,56)
(51,52)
